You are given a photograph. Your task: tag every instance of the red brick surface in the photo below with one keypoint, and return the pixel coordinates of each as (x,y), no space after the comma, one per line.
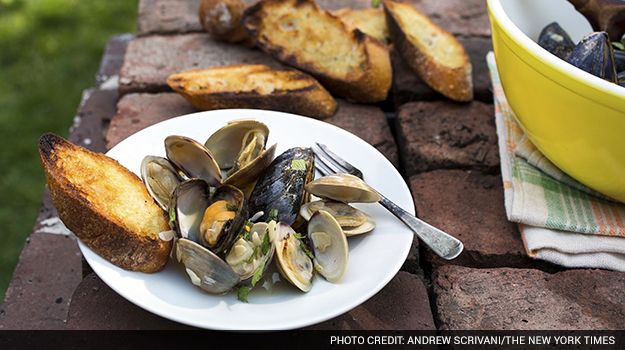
(469,206)
(168,17)
(517,299)
(446,135)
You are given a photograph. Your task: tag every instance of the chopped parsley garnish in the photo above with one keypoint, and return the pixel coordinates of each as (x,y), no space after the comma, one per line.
(264,248)
(231,207)
(273,215)
(243,293)
(375,3)
(172,215)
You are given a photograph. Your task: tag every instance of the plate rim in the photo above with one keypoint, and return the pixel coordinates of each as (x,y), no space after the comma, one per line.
(307,321)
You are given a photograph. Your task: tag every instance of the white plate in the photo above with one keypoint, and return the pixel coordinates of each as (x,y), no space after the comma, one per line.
(374,258)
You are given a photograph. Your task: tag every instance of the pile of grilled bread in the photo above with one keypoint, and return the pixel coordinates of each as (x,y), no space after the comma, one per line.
(344,53)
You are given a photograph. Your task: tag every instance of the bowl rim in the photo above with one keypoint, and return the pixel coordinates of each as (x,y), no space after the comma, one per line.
(511,29)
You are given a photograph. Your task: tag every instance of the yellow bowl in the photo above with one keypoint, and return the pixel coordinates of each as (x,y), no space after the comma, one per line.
(575,119)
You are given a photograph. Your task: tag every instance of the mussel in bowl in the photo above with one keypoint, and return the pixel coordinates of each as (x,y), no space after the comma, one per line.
(213,220)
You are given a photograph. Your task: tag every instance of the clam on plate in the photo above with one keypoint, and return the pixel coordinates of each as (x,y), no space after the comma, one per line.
(374,258)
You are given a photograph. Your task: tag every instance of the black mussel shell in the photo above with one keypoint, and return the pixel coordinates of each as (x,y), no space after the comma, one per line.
(621,78)
(556,40)
(619,60)
(594,55)
(281,187)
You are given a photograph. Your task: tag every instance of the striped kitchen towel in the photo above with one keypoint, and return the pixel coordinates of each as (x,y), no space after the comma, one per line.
(561,220)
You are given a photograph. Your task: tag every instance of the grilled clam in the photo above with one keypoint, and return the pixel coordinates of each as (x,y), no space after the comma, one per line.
(160,178)
(212,221)
(205,269)
(253,250)
(353,221)
(329,245)
(293,261)
(281,187)
(239,150)
(193,159)
(344,188)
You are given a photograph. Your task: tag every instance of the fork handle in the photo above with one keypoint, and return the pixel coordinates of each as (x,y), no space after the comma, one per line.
(441,243)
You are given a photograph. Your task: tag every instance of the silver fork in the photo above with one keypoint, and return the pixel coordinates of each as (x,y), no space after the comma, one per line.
(441,243)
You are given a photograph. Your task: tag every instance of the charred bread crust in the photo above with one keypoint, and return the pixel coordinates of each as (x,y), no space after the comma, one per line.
(109,238)
(368,83)
(311,100)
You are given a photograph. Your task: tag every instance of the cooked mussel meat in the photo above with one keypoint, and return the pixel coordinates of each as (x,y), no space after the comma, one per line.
(193,159)
(212,221)
(352,220)
(205,269)
(160,178)
(343,187)
(281,187)
(556,40)
(329,246)
(292,257)
(239,149)
(253,251)
(594,54)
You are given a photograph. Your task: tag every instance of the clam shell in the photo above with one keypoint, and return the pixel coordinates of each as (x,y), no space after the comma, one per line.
(160,178)
(193,159)
(330,246)
(342,187)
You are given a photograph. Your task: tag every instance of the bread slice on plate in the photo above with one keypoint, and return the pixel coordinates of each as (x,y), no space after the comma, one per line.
(254,86)
(105,205)
(371,21)
(347,62)
(430,51)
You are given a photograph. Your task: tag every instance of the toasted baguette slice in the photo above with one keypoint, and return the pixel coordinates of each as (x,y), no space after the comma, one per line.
(433,53)
(105,205)
(254,86)
(347,62)
(371,21)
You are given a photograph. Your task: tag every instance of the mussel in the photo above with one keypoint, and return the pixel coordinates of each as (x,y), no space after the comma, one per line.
(205,269)
(352,220)
(281,187)
(594,54)
(239,149)
(344,188)
(556,40)
(329,246)
(293,260)
(253,250)
(212,221)
(160,178)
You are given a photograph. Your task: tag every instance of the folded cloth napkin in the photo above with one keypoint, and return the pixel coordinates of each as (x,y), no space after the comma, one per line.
(560,220)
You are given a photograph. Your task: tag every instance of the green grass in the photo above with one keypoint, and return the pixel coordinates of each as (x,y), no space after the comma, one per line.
(49,52)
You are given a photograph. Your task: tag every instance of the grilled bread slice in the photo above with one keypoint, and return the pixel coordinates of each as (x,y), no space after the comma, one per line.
(105,205)
(371,21)
(347,62)
(254,86)
(433,53)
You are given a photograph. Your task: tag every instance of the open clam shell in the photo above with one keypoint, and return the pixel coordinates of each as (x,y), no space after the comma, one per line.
(239,150)
(253,250)
(205,269)
(193,159)
(292,261)
(352,220)
(330,246)
(160,178)
(344,188)
(188,203)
